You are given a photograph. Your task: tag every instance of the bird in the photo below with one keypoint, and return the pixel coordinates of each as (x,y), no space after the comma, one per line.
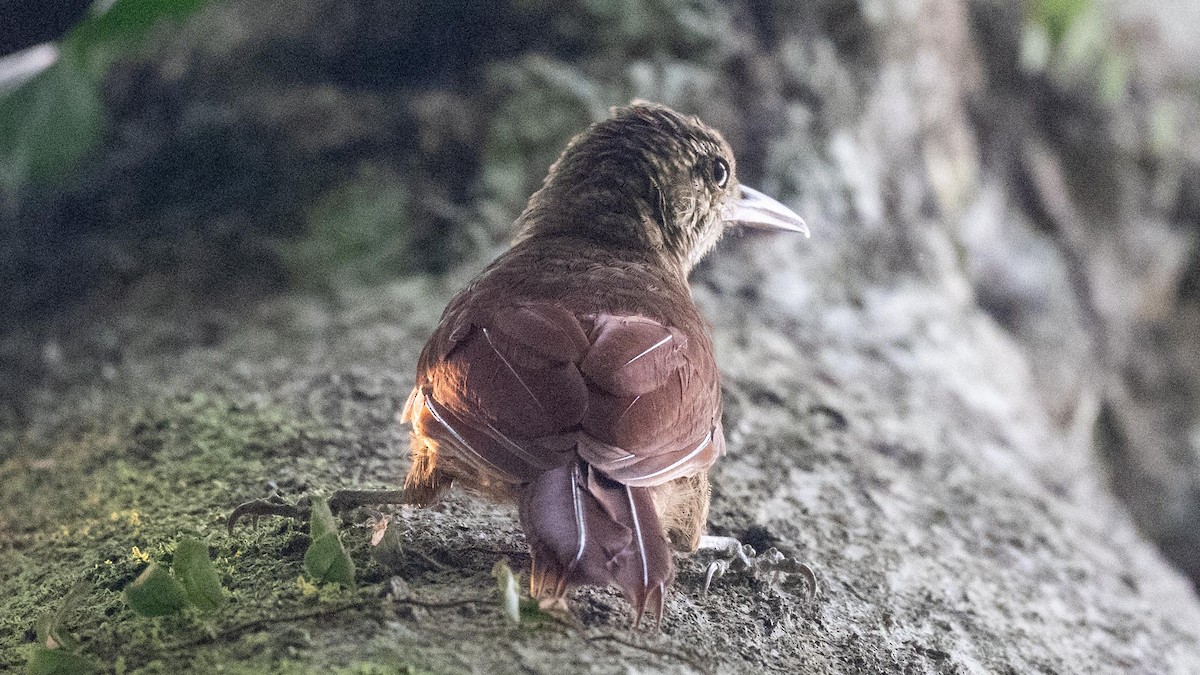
(575,377)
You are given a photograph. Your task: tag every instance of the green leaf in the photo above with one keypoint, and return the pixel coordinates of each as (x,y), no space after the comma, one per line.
(156,593)
(510,594)
(48,124)
(326,559)
(49,636)
(48,626)
(195,573)
(58,662)
(121,30)
(321,522)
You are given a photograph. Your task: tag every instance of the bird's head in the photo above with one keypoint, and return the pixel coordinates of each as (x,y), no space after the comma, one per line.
(653,182)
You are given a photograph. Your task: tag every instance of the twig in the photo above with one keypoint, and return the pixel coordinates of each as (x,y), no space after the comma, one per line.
(669,653)
(238,629)
(441,605)
(256,624)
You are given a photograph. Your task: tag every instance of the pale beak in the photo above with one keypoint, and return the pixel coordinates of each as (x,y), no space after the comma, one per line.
(759,211)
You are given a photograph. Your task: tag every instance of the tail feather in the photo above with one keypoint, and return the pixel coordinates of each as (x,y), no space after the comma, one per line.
(584,528)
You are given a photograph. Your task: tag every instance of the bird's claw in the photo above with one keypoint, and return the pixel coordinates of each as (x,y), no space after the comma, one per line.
(746,559)
(339,501)
(273,506)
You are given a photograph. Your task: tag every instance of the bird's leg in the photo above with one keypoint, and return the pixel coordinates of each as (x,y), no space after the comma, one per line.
(340,500)
(743,558)
(343,500)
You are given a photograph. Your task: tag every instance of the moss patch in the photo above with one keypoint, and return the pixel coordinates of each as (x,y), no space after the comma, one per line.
(118,494)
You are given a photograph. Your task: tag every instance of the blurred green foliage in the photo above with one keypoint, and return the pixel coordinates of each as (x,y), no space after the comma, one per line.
(1073,41)
(57,651)
(541,104)
(311,163)
(1057,16)
(358,229)
(51,121)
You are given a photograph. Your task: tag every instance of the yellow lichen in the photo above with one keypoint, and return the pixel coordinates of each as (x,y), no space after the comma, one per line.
(132,517)
(307,588)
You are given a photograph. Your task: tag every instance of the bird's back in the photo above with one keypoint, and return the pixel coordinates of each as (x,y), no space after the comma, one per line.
(574,383)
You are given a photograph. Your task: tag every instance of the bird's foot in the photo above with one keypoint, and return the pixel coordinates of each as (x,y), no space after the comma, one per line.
(745,559)
(341,500)
(273,506)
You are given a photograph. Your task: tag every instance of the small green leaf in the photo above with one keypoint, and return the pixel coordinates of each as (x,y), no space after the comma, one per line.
(156,593)
(48,626)
(49,636)
(510,595)
(322,521)
(195,572)
(326,559)
(58,662)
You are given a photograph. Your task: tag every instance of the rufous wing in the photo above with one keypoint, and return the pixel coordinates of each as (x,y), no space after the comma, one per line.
(654,406)
(502,389)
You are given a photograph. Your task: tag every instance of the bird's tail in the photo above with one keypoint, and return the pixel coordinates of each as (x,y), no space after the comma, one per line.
(584,528)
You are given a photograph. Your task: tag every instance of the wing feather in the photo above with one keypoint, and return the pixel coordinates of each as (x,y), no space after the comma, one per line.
(500,401)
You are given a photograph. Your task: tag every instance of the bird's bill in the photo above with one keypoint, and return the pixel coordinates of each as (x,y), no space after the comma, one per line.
(756,210)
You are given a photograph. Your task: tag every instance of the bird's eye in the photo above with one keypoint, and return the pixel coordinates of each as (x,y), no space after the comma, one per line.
(720,172)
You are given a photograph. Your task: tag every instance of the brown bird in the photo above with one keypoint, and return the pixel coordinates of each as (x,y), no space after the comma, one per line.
(575,377)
